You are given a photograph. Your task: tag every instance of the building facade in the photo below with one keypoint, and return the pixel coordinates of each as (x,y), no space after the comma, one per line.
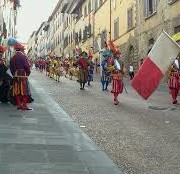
(8,22)
(133,25)
(155,17)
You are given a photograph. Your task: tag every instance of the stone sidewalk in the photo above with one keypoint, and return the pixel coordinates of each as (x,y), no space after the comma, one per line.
(47,141)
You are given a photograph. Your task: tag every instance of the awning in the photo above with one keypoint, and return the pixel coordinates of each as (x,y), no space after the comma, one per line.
(176,37)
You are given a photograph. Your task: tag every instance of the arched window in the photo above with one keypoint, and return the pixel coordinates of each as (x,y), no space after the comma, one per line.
(100,2)
(85,11)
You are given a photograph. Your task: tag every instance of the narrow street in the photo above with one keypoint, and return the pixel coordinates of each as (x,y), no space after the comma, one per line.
(139,136)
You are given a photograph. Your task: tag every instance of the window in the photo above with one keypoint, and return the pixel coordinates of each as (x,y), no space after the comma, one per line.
(177,29)
(80,35)
(103,38)
(85,11)
(116,28)
(79,14)
(150,7)
(96,46)
(151,41)
(100,2)
(95,5)
(130,18)
(89,6)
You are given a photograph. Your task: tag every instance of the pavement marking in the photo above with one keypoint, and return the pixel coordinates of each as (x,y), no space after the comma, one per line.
(15,115)
(157,108)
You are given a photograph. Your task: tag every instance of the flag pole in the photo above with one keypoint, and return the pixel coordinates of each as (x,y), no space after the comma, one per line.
(171,38)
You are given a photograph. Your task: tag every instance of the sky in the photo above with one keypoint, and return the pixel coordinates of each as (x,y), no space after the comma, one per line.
(30,16)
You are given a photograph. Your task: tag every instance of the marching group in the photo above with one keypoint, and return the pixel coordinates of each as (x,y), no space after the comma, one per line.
(81,67)
(112,71)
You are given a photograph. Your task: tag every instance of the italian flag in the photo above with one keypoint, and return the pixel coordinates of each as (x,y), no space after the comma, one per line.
(154,67)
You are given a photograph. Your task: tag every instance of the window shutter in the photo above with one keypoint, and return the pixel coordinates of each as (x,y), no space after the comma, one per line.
(154,5)
(146,4)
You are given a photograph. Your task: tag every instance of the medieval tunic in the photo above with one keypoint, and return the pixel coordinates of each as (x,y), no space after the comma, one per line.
(117,83)
(83,70)
(105,72)
(117,79)
(20,70)
(174,83)
(90,71)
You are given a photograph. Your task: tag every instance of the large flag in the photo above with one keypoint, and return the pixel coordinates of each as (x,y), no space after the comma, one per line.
(147,79)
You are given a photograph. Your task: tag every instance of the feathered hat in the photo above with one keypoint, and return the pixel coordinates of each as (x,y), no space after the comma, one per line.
(19,47)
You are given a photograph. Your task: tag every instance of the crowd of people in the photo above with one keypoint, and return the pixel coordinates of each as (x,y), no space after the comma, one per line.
(56,67)
(15,88)
(81,68)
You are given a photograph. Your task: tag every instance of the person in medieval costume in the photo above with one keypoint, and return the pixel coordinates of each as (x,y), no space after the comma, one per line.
(47,66)
(20,70)
(106,69)
(174,82)
(90,70)
(117,77)
(5,78)
(83,65)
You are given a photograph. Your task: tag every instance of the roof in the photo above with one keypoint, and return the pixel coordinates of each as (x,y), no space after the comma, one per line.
(55,10)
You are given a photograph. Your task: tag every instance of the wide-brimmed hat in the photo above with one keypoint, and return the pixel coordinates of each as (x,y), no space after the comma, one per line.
(19,47)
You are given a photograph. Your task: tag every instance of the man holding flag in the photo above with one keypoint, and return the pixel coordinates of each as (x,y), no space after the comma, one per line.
(155,65)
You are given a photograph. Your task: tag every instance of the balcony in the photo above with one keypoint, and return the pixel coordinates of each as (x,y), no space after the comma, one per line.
(64,5)
(70,6)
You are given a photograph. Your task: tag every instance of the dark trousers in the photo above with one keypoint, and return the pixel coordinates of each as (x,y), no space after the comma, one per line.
(131,74)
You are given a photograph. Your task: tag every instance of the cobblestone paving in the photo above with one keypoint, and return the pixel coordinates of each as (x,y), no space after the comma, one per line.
(140,136)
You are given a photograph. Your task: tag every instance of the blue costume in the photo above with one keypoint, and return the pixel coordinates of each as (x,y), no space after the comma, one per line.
(90,72)
(106,75)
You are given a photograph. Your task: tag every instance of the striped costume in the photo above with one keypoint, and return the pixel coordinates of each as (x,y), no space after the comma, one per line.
(117,83)
(20,70)
(106,75)
(174,83)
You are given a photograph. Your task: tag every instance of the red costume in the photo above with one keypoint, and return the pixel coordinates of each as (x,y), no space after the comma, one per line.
(83,64)
(174,83)
(20,70)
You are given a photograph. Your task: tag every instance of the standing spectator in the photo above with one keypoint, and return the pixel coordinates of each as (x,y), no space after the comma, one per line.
(20,70)
(90,70)
(131,71)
